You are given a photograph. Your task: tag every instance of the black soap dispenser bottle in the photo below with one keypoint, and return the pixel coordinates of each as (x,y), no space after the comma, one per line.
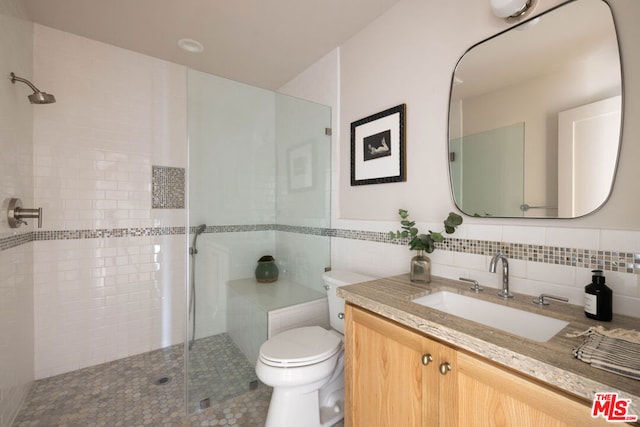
(598,298)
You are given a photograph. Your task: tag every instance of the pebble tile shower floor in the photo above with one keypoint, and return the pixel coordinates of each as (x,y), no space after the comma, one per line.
(147,390)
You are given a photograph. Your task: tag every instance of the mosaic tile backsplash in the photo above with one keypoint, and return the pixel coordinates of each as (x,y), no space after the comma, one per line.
(609,260)
(167,187)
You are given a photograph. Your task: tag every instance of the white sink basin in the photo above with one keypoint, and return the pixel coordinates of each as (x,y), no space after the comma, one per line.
(518,322)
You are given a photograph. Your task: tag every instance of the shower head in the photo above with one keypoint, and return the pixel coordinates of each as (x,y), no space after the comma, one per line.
(37,97)
(200,229)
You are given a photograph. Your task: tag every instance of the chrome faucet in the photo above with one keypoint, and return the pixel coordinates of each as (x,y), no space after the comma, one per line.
(504,293)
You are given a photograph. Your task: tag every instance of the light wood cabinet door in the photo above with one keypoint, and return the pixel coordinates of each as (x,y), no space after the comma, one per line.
(395,376)
(391,373)
(384,376)
(488,395)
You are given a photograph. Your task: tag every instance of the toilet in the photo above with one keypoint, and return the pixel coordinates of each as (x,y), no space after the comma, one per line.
(305,366)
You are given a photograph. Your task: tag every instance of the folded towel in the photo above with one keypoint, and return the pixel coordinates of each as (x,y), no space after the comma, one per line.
(616,351)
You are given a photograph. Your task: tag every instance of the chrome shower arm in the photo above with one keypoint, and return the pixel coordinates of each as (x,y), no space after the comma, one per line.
(37,97)
(15,79)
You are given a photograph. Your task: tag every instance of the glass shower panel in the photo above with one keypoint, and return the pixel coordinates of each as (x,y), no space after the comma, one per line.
(259,168)
(303,187)
(231,172)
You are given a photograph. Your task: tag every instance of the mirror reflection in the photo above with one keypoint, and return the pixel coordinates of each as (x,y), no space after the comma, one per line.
(535,117)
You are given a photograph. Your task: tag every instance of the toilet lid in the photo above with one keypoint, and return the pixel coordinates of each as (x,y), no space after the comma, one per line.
(300,347)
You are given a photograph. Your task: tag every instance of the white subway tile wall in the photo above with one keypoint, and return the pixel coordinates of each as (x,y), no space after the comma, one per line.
(534,268)
(118,113)
(103,299)
(105,257)
(16,329)
(16,180)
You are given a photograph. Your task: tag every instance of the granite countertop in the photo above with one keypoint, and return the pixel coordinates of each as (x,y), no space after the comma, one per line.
(551,362)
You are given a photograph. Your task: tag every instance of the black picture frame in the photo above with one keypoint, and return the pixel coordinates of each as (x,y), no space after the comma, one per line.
(378,148)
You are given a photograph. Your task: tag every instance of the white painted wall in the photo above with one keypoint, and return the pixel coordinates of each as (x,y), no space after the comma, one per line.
(413,64)
(407,56)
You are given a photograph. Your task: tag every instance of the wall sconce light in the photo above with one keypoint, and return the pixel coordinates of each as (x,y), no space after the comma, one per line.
(512,10)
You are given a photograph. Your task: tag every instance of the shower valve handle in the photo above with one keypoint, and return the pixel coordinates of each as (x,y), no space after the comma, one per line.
(16,214)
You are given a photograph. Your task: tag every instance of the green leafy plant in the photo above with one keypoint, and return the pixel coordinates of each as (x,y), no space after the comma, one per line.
(424,242)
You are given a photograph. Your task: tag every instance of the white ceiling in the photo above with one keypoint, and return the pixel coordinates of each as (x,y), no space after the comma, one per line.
(264,43)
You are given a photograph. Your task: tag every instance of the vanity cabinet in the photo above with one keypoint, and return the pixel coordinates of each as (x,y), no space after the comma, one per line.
(391,374)
(395,376)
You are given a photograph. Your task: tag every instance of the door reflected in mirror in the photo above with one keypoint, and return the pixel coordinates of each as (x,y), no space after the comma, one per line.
(535,117)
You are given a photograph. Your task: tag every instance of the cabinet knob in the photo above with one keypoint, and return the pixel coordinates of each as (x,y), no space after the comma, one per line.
(444,368)
(427,358)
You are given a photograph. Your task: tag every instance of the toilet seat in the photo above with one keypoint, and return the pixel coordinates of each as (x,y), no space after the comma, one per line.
(300,347)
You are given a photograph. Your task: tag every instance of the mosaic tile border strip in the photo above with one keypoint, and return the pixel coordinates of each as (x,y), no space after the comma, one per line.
(15,240)
(234,228)
(624,262)
(315,231)
(167,187)
(371,236)
(106,233)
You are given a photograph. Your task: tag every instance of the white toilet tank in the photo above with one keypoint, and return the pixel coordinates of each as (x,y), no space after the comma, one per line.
(332,280)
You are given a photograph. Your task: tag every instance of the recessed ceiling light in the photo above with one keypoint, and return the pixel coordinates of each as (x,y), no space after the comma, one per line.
(190,45)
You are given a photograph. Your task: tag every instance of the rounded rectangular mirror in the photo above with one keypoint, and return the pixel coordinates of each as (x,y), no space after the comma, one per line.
(535,116)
